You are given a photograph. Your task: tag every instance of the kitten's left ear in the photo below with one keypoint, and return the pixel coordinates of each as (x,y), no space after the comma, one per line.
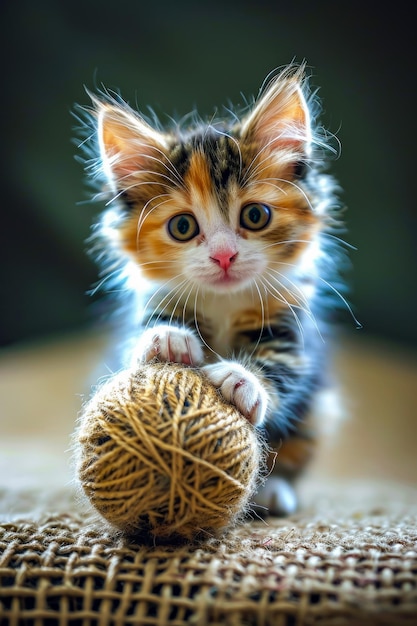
(280,118)
(127,143)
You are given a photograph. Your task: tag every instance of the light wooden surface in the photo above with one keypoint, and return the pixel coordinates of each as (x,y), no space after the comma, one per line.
(42,389)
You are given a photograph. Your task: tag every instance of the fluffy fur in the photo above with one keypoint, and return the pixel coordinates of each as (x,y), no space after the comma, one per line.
(226,234)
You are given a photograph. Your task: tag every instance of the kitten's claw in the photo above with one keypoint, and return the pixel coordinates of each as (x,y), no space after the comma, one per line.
(167,343)
(241,388)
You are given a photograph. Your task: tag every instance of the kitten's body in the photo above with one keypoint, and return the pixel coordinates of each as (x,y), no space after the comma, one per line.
(226,229)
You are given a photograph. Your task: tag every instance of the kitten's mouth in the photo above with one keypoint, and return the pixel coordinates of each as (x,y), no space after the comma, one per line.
(231,279)
(228,281)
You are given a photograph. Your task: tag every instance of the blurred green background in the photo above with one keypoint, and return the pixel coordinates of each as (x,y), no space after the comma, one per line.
(175,56)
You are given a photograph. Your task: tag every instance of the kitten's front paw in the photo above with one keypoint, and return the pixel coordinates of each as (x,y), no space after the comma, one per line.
(168,343)
(241,388)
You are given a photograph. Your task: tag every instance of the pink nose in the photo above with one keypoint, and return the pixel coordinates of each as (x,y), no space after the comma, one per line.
(224,259)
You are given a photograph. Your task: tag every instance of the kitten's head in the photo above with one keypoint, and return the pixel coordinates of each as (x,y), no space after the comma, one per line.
(218,206)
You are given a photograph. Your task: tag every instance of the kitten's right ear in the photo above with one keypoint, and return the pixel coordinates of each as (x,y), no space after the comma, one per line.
(126,142)
(280,117)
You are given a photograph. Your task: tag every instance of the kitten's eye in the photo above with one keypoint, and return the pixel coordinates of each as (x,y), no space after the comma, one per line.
(255,216)
(183,227)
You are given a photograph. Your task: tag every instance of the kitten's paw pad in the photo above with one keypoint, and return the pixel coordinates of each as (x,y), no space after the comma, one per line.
(177,345)
(241,388)
(276,497)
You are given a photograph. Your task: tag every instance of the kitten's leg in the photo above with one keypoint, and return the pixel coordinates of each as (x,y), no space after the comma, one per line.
(287,461)
(248,393)
(169,343)
(243,389)
(240,387)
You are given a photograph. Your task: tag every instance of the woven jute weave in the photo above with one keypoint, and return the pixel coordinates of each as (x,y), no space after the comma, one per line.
(357,569)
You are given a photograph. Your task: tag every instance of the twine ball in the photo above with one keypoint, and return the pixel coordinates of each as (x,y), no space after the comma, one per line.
(160,452)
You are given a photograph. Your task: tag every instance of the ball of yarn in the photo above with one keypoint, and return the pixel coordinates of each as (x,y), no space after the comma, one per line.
(161,452)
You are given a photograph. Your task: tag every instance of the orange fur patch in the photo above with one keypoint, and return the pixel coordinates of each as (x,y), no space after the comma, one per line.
(146,241)
(198,182)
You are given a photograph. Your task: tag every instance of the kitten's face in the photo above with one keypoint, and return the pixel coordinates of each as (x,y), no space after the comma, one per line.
(220,210)
(219,234)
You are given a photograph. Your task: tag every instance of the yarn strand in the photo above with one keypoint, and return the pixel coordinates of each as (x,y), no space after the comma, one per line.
(159,451)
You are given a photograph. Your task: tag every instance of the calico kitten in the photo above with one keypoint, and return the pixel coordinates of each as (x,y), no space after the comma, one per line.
(224,230)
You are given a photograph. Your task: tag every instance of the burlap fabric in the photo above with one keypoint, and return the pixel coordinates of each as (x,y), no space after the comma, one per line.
(348,558)
(330,565)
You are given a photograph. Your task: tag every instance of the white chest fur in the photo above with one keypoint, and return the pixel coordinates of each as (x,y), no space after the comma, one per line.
(219,314)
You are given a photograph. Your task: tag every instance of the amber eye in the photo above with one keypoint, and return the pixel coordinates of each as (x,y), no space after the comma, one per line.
(255,216)
(183,227)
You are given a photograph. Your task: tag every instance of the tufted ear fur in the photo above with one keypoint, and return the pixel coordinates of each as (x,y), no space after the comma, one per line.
(127,143)
(280,118)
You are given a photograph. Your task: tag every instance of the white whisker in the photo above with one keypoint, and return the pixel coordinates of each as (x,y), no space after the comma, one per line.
(129,188)
(163,300)
(184,309)
(197,327)
(170,296)
(293,284)
(261,330)
(306,308)
(278,296)
(107,278)
(161,264)
(179,299)
(172,171)
(293,184)
(142,217)
(316,276)
(339,239)
(284,242)
(343,299)
(249,175)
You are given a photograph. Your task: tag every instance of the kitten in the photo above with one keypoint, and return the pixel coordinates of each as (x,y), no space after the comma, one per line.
(225,231)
